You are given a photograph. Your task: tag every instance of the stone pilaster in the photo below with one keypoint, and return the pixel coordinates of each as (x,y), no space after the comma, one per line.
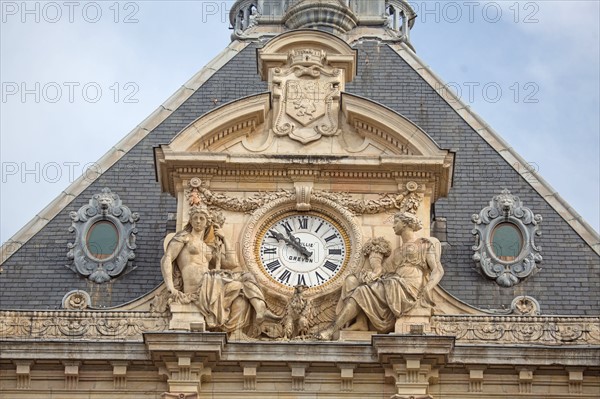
(347,377)
(119,374)
(412,361)
(185,358)
(23,373)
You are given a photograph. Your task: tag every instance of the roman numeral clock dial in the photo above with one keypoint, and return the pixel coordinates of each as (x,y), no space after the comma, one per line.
(302,249)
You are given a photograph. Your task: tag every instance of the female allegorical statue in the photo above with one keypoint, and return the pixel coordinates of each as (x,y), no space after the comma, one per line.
(199,267)
(390,288)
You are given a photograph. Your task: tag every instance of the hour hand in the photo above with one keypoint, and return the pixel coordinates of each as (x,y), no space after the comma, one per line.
(278,236)
(296,243)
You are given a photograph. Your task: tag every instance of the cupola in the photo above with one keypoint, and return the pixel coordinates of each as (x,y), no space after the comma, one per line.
(390,20)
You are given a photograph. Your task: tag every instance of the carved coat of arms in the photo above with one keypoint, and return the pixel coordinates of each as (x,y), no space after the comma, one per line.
(307,93)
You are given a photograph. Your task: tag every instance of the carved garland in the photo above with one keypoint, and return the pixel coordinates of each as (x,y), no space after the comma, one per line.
(197,193)
(407,201)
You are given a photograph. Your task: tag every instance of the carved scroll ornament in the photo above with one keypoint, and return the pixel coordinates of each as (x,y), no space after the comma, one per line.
(105,232)
(197,193)
(506,211)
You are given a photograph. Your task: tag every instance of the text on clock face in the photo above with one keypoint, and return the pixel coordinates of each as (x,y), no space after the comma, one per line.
(302,249)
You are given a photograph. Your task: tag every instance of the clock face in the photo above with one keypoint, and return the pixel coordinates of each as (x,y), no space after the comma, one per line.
(302,249)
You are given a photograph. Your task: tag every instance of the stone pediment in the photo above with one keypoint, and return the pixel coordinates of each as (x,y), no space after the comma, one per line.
(306,121)
(370,137)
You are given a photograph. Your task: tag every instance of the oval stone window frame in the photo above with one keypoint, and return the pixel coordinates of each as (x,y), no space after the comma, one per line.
(506,208)
(519,227)
(103,207)
(92,225)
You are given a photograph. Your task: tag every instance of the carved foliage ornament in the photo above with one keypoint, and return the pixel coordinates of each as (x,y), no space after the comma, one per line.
(80,324)
(307,92)
(127,325)
(406,201)
(506,250)
(197,194)
(105,234)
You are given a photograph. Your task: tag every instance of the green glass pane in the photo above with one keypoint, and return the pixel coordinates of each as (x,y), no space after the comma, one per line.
(507,241)
(102,239)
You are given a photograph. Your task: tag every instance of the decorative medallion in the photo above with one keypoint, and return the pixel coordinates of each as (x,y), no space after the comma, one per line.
(105,234)
(506,231)
(525,306)
(76,300)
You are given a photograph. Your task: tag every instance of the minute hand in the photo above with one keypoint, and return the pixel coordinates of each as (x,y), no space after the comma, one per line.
(296,243)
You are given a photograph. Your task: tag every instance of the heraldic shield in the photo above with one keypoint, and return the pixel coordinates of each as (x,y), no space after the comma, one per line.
(307,94)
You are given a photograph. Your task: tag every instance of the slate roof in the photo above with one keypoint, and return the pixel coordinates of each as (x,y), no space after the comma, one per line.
(35,277)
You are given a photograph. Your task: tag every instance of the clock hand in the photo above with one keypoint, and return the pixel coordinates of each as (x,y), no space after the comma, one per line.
(296,243)
(278,236)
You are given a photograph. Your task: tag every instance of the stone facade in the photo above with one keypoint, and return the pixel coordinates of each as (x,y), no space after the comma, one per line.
(376,308)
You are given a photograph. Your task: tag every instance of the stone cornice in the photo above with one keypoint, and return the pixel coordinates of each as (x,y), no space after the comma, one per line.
(214,348)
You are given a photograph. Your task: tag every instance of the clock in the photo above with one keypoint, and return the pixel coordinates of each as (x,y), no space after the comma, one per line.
(302,248)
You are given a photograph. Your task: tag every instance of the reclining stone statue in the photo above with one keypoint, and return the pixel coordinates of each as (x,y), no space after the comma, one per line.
(404,281)
(200,267)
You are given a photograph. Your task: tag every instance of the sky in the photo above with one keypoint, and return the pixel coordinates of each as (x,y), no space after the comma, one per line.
(78,76)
